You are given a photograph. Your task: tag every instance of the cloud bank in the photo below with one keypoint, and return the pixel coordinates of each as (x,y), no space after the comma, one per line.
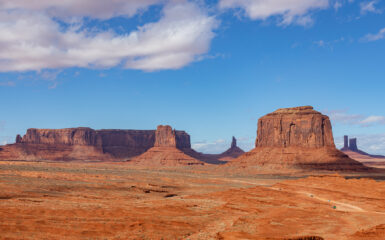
(31,39)
(69,9)
(342,116)
(290,11)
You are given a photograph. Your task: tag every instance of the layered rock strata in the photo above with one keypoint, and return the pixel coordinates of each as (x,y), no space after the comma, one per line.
(299,138)
(84,144)
(166,151)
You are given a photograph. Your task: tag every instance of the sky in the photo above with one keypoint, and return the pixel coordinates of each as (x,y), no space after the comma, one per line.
(211,68)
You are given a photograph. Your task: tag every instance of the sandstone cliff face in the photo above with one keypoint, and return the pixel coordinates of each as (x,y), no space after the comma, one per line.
(126,143)
(165,137)
(78,143)
(68,136)
(166,152)
(295,127)
(298,138)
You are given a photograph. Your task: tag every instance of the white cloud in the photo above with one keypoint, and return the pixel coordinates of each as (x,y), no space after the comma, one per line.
(373,120)
(69,9)
(341,116)
(32,40)
(368,7)
(291,11)
(374,37)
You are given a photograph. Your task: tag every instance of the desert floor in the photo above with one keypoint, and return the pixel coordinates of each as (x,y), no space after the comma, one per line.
(117,201)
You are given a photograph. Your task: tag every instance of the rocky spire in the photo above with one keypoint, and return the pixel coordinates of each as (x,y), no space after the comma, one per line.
(353,144)
(165,137)
(234,143)
(18,138)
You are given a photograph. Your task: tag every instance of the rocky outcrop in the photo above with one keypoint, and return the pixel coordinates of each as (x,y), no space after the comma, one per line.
(56,145)
(295,127)
(165,151)
(89,144)
(68,136)
(232,153)
(298,138)
(165,137)
(123,144)
(351,148)
(18,138)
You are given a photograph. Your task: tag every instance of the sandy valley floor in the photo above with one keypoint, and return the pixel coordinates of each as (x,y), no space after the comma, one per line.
(117,201)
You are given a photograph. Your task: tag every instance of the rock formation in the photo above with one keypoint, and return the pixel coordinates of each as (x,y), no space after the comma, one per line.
(353,144)
(124,144)
(166,151)
(94,145)
(56,144)
(165,137)
(346,143)
(351,148)
(68,136)
(299,138)
(18,138)
(84,144)
(232,153)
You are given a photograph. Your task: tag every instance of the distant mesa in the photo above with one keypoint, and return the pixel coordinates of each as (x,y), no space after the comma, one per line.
(79,144)
(167,150)
(86,144)
(296,138)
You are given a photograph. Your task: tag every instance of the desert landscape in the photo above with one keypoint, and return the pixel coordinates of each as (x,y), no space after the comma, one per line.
(192,120)
(294,184)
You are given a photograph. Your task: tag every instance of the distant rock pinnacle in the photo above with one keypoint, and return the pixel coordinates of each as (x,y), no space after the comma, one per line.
(234,143)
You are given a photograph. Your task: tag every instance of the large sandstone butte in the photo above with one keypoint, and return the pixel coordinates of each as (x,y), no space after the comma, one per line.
(298,138)
(167,150)
(84,144)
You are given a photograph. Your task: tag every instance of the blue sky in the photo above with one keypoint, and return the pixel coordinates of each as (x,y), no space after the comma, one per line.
(211,68)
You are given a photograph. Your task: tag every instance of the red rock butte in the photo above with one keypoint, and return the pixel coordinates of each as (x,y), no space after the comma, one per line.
(298,138)
(165,151)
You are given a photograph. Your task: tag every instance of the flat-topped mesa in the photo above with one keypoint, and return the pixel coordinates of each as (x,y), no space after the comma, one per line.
(296,138)
(114,144)
(295,127)
(68,136)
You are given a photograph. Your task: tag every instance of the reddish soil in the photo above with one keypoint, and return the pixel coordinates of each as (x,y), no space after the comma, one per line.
(121,201)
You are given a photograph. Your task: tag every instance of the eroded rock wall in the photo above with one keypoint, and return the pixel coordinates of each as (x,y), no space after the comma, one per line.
(295,127)
(67,136)
(54,144)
